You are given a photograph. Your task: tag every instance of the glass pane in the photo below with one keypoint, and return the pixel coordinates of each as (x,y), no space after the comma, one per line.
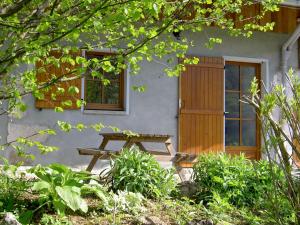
(92,56)
(111,76)
(232,105)
(248,111)
(247,75)
(249,133)
(111,93)
(232,78)
(93,91)
(232,132)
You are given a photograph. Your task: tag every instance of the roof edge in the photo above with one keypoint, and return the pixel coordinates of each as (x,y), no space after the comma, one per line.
(294,3)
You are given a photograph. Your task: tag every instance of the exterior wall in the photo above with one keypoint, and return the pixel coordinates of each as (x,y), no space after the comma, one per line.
(154,111)
(3,129)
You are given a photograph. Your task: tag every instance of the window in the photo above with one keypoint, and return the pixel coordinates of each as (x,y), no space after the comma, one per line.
(241,125)
(99,96)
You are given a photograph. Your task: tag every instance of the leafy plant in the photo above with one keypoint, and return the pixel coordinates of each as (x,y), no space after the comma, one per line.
(183,211)
(137,171)
(12,185)
(51,220)
(235,178)
(127,202)
(242,183)
(281,134)
(221,211)
(61,187)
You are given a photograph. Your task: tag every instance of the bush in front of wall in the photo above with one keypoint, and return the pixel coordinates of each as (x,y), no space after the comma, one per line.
(137,171)
(61,188)
(241,181)
(12,187)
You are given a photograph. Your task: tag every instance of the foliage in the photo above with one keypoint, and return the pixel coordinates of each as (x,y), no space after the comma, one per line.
(137,171)
(124,202)
(131,27)
(12,185)
(281,134)
(137,30)
(61,187)
(50,220)
(222,211)
(127,202)
(182,211)
(242,183)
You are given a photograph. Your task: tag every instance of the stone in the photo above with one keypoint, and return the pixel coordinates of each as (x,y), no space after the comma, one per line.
(10,219)
(188,189)
(201,222)
(151,220)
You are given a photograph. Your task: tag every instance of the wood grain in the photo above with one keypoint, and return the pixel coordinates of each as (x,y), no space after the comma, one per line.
(201,123)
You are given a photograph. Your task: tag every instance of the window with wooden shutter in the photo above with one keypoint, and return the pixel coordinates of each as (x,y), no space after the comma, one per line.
(101,96)
(63,94)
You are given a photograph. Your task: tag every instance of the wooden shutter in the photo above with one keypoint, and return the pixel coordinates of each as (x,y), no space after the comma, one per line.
(201,117)
(50,70)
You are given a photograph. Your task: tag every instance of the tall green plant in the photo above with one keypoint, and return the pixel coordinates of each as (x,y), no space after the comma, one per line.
(12,186)
(63,188)
(137,171)
(235,178)
(281,133)
(242,183)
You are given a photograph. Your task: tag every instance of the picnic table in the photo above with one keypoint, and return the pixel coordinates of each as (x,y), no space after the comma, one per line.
(167,154)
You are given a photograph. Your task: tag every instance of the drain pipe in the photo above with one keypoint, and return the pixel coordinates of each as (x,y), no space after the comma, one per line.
(286,52)
(285,55)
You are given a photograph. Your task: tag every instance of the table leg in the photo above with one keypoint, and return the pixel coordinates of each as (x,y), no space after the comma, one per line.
(128,144)
(141,146)
(103,143)
(96,157)
(170,147)
(92,163)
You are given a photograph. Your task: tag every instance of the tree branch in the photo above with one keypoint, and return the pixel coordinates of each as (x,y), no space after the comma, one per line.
(12,9)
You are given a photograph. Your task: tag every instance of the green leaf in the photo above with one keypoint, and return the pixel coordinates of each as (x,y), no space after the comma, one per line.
(62,169)
(67,103)
(58,109)
(41,185)
(23,107)
(73,90)
(72,198)
(59,206)
(64,126)
(26,217)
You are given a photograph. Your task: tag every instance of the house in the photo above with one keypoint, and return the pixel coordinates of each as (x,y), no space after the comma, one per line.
(200,109)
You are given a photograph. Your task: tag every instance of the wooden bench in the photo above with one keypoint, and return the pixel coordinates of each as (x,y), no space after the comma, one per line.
(168,154)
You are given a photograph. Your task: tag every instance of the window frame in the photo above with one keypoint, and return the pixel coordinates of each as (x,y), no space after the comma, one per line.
(240,148)
(101,106)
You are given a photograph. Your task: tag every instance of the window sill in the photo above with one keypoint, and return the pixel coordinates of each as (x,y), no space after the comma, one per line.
(105,112)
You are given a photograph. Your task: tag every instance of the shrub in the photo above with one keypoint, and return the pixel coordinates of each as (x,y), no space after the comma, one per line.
(127,202)
(242,182)
(12,185)
(63,188)
(138,171)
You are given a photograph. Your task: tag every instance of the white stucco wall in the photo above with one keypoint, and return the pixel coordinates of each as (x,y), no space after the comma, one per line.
(154,111)
(3,129)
